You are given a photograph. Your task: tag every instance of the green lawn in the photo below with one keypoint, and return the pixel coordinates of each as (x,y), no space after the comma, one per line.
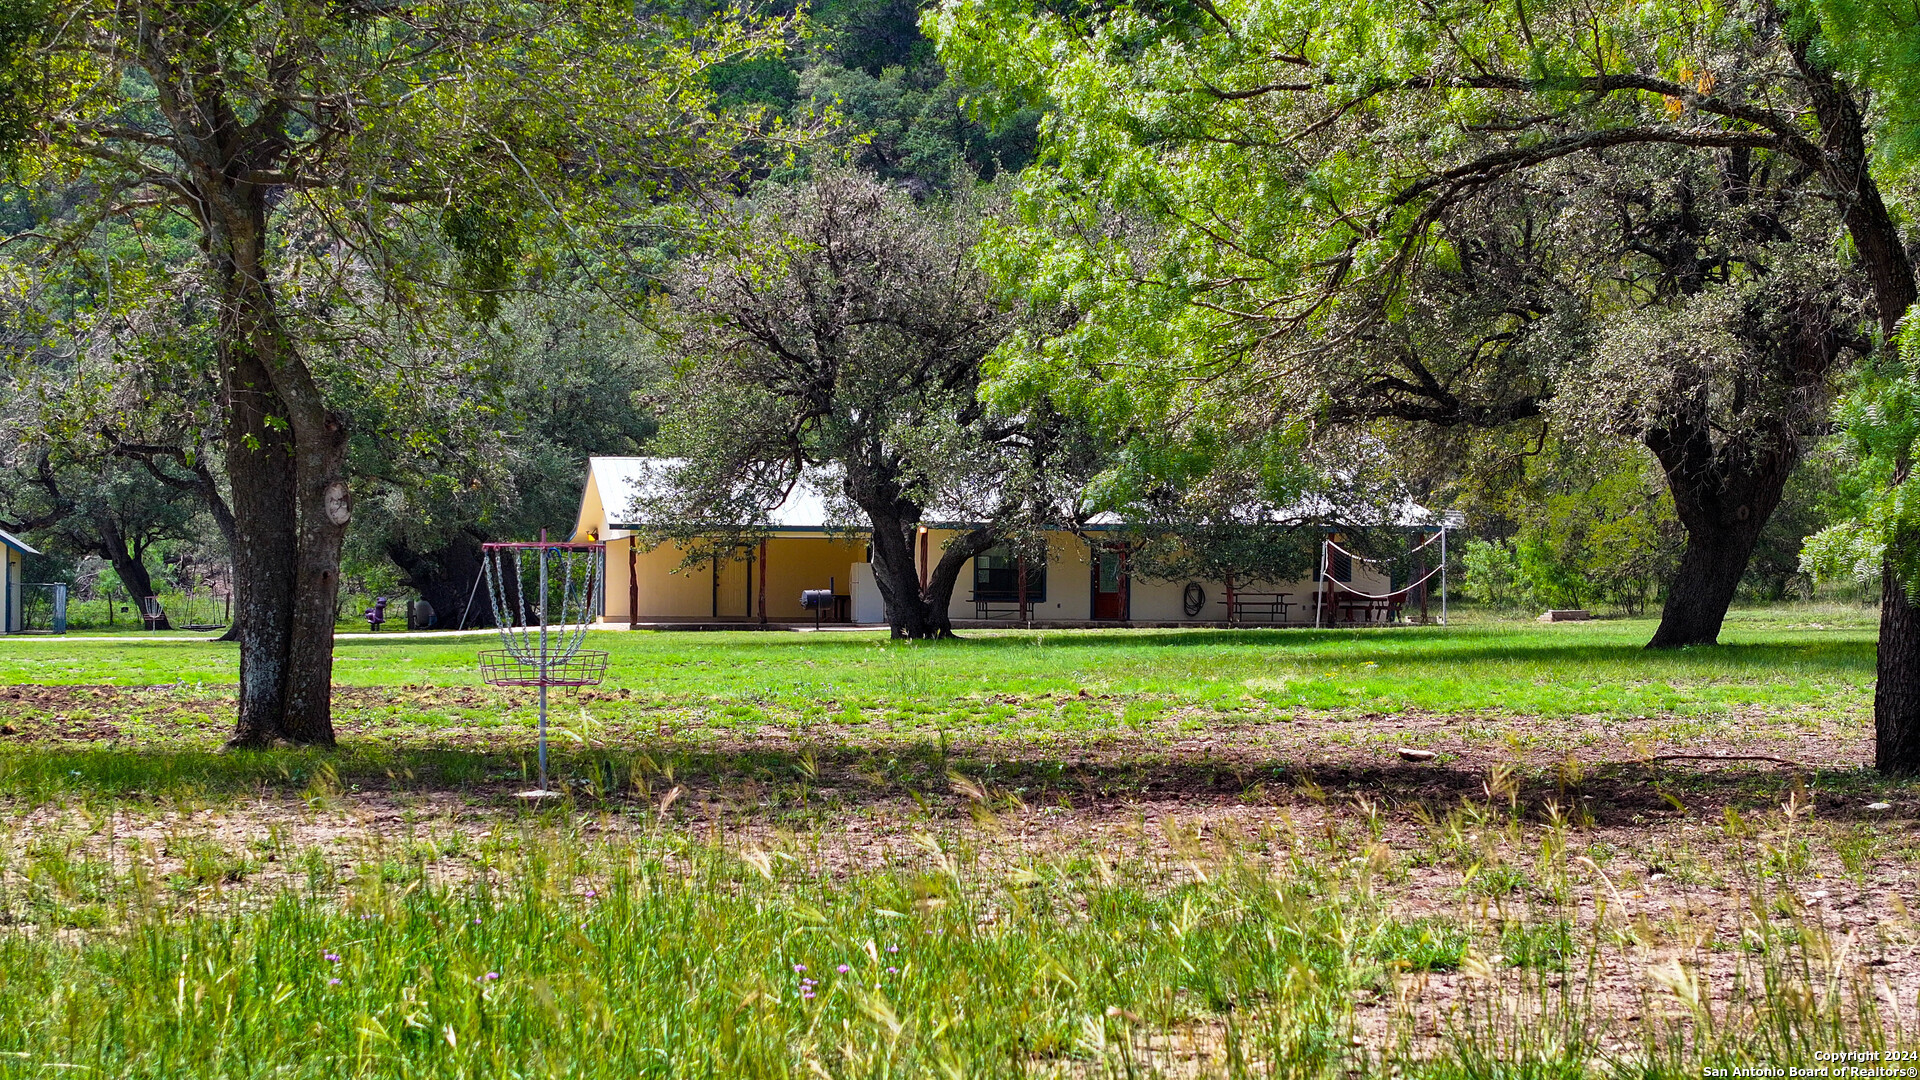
(1818,658)
(1044,854)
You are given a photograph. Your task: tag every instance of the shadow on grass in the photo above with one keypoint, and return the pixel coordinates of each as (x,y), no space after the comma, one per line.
(1401,645)
(831,776)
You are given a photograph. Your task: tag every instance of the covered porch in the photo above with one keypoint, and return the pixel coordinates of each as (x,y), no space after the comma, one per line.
(754,585)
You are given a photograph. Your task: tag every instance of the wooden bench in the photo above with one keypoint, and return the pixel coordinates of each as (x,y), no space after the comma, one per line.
(998,607)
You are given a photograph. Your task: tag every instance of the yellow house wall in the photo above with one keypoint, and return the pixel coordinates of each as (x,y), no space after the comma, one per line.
(1069,578)
(593,516)
(1165,601)
(736,587)
(797,563)
(1070,588)
(668,591)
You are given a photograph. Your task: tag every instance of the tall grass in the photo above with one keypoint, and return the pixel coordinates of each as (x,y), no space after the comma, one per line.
(559,954)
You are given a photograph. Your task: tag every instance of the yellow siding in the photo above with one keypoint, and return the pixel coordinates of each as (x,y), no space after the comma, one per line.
(670,591)
(795,563)
(667,591)
(593,519)
(1069,578)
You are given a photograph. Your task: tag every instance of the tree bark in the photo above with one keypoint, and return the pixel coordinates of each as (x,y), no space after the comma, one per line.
(1723,497)
(286,458)
(128,564)
(911,614)
(1883,255)
(914,611)
(1896,696)
(260,477)
(445,578)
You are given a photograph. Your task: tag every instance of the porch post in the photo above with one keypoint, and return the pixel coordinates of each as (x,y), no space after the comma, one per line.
(924,565)
(1093,584)
(763,582)
(1126,586)
(1023,590)
(633,585)
(1443,572)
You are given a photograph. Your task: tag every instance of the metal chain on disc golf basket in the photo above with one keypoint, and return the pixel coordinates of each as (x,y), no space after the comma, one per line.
(546,653)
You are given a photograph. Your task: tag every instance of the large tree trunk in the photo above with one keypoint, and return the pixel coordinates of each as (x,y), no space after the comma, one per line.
(914,611)
(1896,696)
(446,578)
(1723,497)
(131,568)
(260,477)
(286,462)
(909,614)
(1883,255)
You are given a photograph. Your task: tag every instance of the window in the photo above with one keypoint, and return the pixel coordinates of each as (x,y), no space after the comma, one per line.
(996,576)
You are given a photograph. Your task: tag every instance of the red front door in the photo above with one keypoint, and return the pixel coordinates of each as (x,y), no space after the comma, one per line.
(1110,586)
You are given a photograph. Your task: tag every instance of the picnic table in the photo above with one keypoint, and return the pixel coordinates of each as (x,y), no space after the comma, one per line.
(1348,608)
(1273,605)
(995,606)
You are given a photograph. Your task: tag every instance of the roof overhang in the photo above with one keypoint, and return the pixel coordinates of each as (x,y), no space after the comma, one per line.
(17,544)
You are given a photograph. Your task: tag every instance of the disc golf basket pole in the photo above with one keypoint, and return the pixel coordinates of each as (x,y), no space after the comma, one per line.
(541,636)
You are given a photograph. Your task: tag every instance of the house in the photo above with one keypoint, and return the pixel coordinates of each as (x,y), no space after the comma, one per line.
(1083,580)
(13,582)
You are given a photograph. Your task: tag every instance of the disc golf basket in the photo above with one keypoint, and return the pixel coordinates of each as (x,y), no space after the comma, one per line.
(544,597)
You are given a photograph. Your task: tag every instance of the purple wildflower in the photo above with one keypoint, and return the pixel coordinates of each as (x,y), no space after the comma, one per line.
(799,967)
(893,948)
(333,957)
(490,976)
(843,969)
(333,982)
(893,971)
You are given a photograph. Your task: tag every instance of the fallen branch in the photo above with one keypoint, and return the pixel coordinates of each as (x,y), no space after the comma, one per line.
(1725,757)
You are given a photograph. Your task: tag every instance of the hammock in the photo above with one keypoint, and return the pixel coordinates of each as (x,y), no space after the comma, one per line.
(1397,596)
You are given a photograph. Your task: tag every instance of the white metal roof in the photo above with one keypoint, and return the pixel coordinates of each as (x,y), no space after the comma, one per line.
(16,543)
(619,484)
(616,485)
(1405,514)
